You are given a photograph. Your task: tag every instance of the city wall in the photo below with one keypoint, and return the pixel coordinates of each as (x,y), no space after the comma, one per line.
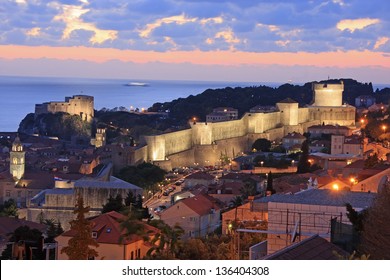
(204,143)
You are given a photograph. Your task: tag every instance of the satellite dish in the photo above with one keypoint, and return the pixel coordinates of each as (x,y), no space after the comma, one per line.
(295,233)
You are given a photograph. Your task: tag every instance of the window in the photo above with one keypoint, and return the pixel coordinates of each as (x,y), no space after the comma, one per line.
(138,253)
(19,193)
(94,234)
(7,193)
(132,255)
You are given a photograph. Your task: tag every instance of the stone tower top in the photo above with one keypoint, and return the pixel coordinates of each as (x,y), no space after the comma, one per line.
(328,94)
(17,145)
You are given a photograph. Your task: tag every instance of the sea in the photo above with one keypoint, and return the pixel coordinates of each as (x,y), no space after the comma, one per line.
(18,95)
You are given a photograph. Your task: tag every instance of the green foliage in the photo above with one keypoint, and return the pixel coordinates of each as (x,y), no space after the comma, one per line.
(371,161)
(236,201)
(8,209)
(303,163)
(54,229)
(270,180)
(249,189)
(262,145)
(356,218)
(27,238)
(144,175)
(376,227)
(113,204)
(61,125)
(194,249)
(166,243)
(79,245)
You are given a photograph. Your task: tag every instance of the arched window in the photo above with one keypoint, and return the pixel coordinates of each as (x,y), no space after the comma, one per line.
(14,160)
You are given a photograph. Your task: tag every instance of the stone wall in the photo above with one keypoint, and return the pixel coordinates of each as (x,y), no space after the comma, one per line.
(334,115)
(81,105)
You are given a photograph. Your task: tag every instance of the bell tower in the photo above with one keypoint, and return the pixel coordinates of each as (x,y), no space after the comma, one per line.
(17,159)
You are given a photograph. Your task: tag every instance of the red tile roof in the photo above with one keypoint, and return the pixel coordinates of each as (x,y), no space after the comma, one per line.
(109,230)
(9,224)
(241,177)
(200,176)
(201,204)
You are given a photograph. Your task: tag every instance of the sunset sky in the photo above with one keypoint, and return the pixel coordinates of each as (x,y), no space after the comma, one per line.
(242,40)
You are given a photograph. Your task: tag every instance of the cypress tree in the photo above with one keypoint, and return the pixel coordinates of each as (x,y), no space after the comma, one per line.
(79,245)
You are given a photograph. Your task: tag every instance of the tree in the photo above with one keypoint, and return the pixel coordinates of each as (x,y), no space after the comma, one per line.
(130,225)
(356,218)
(53,230)
(79,245)
(130,198)
(376,227)
(371,161)
(262,144)
(236,201)
(113,204)
(30,243)
(249,189)
(9,208)
(270,181)
(194,249)
(166,243)
(144,175)
(303,163)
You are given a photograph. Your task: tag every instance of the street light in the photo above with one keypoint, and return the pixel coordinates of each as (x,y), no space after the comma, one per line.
(335,187)
(384,128)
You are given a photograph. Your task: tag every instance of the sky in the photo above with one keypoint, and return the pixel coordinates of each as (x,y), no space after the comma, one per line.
(220,40)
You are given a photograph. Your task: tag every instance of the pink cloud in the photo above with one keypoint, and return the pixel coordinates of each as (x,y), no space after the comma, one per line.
(100,55)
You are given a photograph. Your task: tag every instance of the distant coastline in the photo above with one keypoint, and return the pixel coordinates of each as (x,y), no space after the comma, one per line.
(20,94)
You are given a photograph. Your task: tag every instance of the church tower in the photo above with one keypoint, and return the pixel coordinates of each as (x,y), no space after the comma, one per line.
(17,159)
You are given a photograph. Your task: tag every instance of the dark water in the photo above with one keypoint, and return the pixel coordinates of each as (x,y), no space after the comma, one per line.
(18,95)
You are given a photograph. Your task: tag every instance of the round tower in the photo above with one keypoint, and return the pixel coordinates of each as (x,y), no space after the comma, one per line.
(328,94)
(288,111)
(17,159)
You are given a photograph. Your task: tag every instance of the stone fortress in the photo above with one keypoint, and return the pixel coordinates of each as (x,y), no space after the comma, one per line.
(81,105)
(204,143)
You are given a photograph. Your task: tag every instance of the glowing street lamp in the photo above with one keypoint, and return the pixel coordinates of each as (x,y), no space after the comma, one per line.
(384,128)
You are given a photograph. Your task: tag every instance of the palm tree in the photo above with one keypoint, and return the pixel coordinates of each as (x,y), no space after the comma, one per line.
(236,201)
(167,242)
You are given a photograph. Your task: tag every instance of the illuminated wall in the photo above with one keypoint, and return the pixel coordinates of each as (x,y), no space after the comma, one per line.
(328,94)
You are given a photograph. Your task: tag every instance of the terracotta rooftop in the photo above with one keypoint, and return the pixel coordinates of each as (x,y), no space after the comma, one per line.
(312,248)
(200,176)
(9,224)
(201,204)
(241,177)
(108,229)
(356,164)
